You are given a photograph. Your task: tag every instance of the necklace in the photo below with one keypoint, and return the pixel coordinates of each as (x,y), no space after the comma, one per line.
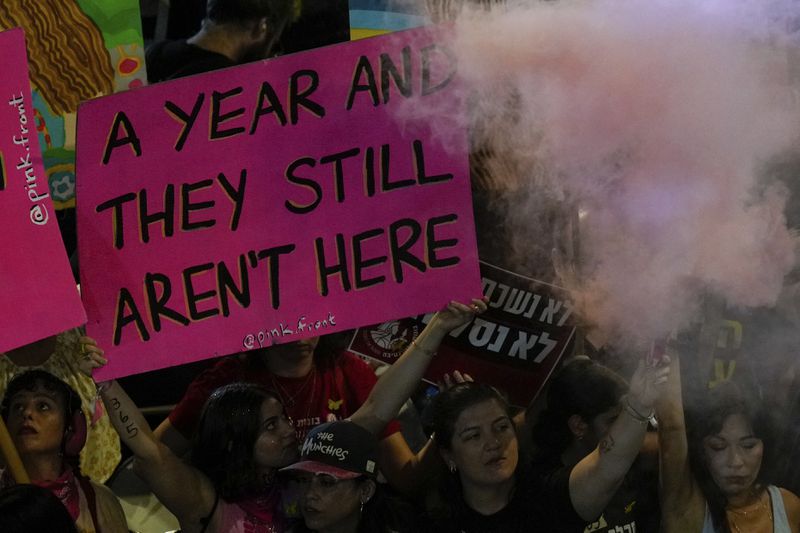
(289,399)
(746,514)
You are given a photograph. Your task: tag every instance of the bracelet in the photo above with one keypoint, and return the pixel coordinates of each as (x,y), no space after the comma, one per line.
(636,415)
(104,386)
(429,353)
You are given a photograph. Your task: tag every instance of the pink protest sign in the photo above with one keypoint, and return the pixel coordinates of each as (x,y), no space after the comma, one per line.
(38,296)
(273,201)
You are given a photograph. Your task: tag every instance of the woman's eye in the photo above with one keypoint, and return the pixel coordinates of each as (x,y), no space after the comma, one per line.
(328,481)
(44,406)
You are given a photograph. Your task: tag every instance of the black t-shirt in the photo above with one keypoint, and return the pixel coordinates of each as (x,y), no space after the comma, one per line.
(633,508)
(539,504)
(167,60)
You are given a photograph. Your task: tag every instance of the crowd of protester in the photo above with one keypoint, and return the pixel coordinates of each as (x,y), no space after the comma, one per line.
(585,462)
(300,437)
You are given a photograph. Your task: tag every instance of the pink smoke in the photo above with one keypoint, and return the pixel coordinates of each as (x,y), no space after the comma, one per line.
(657,119)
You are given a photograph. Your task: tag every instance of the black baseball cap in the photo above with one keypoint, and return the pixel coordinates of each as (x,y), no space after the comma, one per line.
(342,449)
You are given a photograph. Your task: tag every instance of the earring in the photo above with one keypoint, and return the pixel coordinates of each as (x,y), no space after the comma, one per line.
(452,467)
(361,509)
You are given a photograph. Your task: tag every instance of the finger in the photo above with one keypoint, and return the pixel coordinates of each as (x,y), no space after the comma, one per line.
(84,339)
(480,302)
(459,307)
(94,349)
(447,381)
(478,306)
(662,378)
(664,371)
(458,378)
(99,358)
(467,377)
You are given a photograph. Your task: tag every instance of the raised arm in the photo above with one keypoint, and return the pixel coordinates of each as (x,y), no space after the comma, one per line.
(184,490)
(595,479)
(682,502)
(410,472)
(398,382)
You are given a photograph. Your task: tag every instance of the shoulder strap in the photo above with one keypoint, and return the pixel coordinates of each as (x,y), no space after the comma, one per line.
(207,520)
(91,499)
(780,521)
(708,523)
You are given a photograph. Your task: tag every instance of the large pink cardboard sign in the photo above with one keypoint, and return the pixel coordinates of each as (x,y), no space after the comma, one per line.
(38,296)
(273,201)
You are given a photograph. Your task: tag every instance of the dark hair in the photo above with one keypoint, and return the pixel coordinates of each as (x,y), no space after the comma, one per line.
(581,387)
(706,419)
(450,403)
(33,379)
(30,380)
(447,504)
(33,509)
(277,12)
(225,438)
(384,512)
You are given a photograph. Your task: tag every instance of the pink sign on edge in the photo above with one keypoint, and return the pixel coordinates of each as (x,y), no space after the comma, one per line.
(38,296)
(274,201)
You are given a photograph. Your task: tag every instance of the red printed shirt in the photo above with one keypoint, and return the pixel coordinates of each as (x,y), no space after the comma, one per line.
(322,396)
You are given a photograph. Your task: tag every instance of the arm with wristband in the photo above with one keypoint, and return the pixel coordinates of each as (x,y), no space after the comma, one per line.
(595,479)
(398,382)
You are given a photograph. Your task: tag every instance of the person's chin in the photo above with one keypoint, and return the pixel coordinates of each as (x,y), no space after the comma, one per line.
(313,519)
(735,485)
(289,456)
(497,475)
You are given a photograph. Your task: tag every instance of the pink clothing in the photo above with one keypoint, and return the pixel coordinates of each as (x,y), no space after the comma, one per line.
(255,515)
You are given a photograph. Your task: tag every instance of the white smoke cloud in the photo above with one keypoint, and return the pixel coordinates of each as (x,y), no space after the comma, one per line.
(656,118)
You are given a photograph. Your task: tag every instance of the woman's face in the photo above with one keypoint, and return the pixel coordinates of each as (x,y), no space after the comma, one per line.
(36,421)
(484,445)
(734,456)
(293,350)
(275,446)
(331,503)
